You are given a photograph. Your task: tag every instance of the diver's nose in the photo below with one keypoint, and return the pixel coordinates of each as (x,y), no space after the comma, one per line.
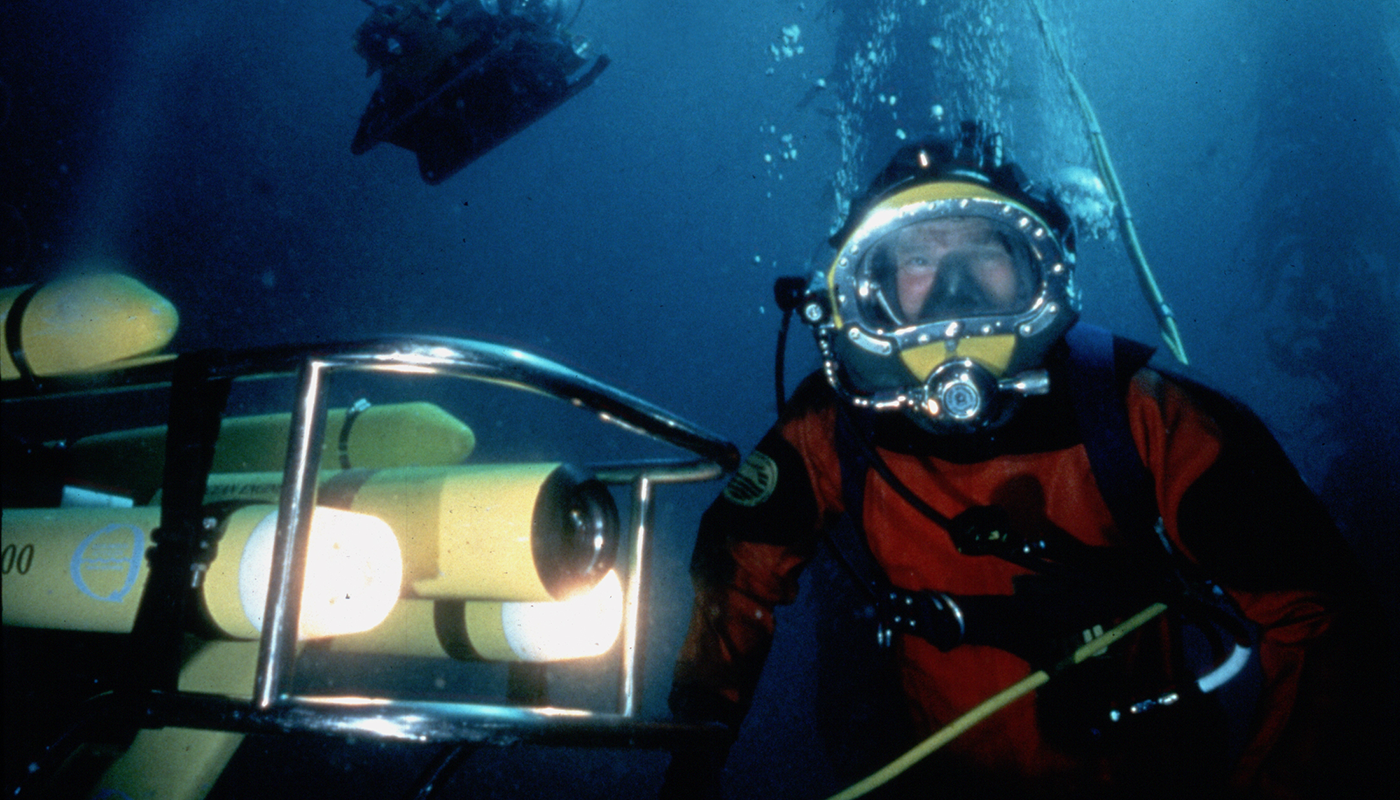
(956,292)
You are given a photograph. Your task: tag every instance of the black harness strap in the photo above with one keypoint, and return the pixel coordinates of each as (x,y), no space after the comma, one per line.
(1098,387)
(351,414)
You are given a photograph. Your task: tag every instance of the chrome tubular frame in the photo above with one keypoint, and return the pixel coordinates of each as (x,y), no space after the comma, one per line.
(272,708)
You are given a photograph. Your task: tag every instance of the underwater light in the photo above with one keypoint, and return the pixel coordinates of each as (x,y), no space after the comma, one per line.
(582,626)
(354,569)
(84,569)
(494,532)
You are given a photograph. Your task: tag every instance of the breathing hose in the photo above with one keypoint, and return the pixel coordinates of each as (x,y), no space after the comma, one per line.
(994,704)
(787,293)
(1166,322)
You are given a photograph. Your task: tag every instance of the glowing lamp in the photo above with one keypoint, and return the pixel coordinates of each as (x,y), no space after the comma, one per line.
(354,569)
(85,568)
(491,532)
(585,625)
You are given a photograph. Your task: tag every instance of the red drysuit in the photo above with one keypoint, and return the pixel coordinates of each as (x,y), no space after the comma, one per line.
(1228,498)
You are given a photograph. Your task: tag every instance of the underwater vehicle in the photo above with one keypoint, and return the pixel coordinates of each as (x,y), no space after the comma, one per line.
(459,78)
(203,566)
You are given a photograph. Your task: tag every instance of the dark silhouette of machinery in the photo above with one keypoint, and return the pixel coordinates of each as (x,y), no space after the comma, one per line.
(459,78)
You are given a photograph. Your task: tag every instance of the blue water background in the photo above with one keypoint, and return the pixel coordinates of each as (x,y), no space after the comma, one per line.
(633,234)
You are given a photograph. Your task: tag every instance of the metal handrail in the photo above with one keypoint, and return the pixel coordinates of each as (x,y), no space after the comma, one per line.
(467,359)
(432,355)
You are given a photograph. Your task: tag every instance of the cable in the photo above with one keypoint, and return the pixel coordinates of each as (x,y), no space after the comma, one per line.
(787,293)
(440,770)
(994,704)
(1166,322)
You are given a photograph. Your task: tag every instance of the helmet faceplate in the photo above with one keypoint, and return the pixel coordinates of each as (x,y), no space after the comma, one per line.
(943,302)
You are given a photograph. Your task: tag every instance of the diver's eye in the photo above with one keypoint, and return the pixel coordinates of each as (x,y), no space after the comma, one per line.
(917,264)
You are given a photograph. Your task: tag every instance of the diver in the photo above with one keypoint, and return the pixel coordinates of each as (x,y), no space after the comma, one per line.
(459,78)
(1002,483)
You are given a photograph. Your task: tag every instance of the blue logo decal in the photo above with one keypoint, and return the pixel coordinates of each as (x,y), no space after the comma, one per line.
(117,548)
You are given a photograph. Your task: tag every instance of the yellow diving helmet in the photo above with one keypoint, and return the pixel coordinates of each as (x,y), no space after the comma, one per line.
(953,278)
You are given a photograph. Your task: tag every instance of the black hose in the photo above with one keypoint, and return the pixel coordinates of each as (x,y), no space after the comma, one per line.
(440,770)
(779,362)
(787,293)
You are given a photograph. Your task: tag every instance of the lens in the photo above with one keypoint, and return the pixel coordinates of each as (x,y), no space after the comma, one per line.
(946,268)
(576,531)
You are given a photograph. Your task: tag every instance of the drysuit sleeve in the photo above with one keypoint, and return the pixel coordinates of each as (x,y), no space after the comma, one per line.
(1235,504)
(752,544)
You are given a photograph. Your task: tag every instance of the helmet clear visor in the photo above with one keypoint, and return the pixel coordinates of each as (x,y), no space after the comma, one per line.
(943,269)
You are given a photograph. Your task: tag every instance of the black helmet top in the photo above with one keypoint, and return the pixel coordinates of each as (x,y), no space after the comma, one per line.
(974,154)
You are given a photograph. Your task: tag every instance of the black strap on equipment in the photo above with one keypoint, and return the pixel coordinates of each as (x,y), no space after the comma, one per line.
(351,414)
(14,334)
(1097,387)
(182,546)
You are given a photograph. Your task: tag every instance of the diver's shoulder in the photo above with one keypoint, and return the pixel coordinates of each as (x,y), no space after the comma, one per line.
(813,395)
(1171,388)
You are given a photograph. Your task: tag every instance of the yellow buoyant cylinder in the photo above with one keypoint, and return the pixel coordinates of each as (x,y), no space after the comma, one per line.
(184,763)
(502,532)
(79,569)
(85,323)
(131,462)
(84,569)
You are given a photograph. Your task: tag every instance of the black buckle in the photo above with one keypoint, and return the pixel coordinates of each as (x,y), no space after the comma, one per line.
(932,616)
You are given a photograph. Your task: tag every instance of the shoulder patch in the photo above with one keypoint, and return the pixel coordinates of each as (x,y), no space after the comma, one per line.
(754,481)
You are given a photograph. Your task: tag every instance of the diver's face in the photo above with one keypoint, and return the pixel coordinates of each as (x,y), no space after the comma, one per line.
(956,267)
